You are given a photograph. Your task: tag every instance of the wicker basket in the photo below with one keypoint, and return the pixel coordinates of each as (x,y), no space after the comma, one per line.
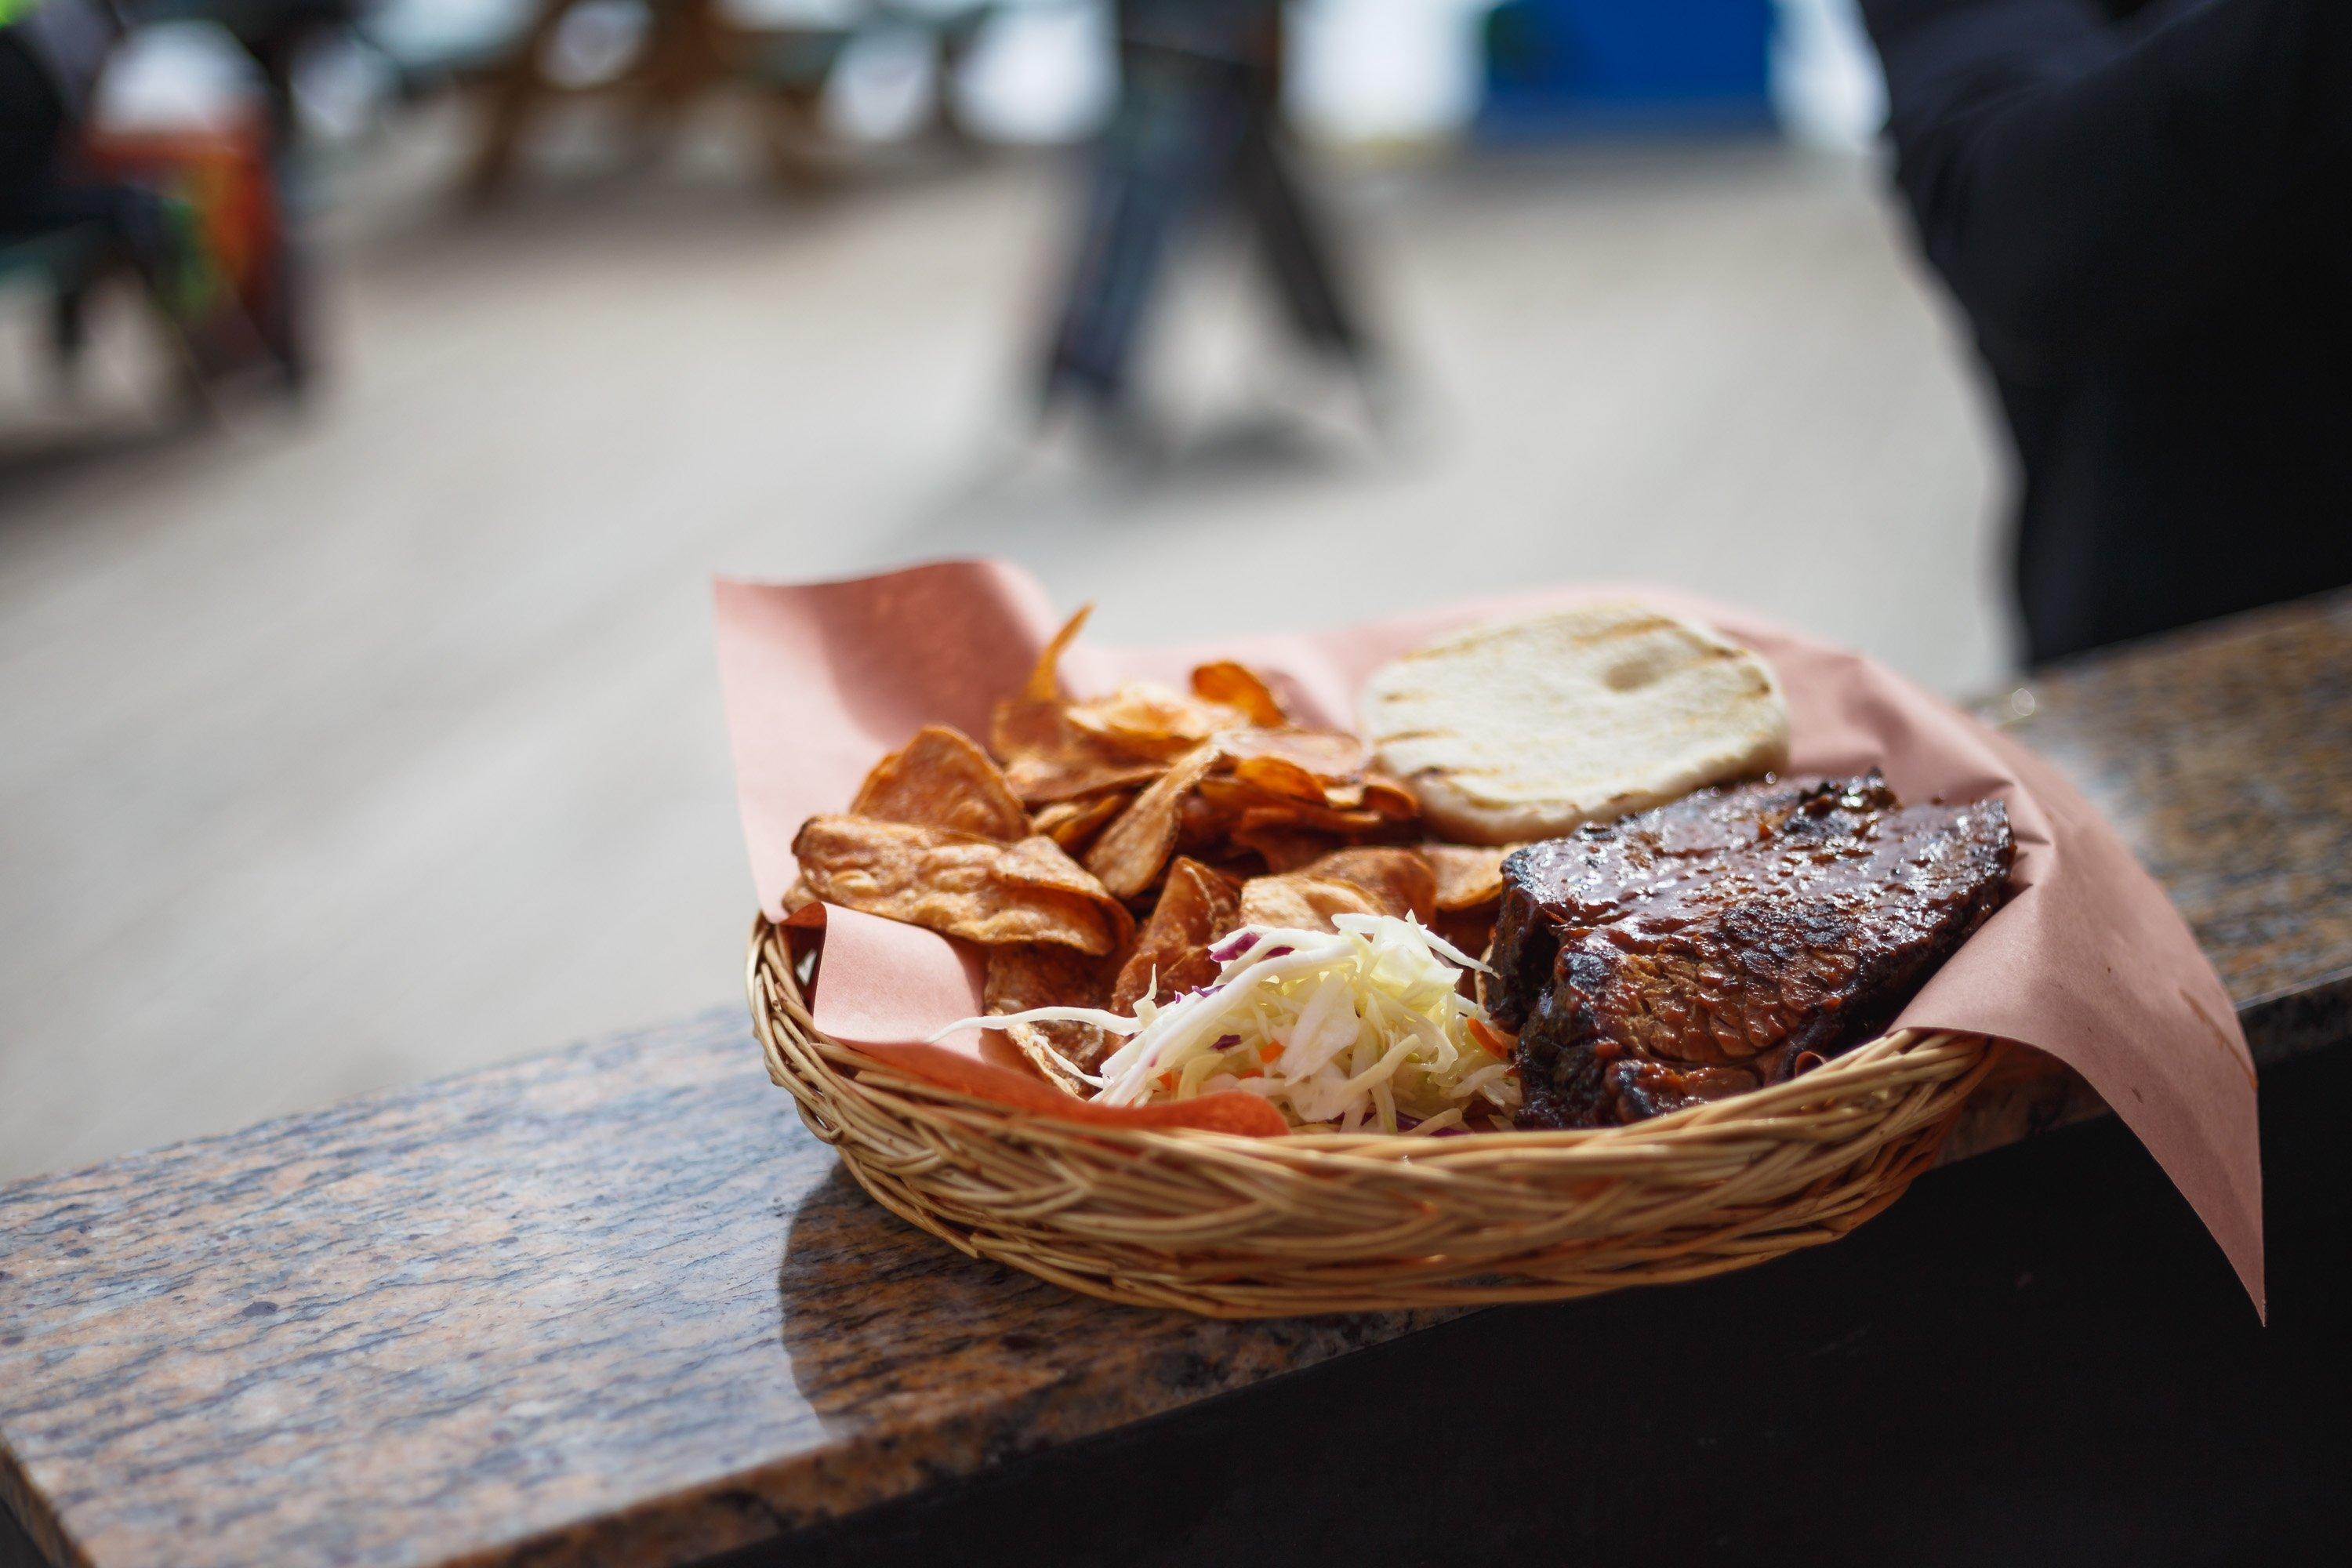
(1251,1227)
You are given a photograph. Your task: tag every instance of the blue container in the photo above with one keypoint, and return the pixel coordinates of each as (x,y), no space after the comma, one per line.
(1556,66)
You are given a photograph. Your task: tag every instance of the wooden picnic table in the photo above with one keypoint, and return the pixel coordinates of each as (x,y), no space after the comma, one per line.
(614,1305)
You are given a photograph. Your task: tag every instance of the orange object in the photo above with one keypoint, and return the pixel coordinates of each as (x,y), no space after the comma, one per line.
(229,276)
(1493,1038)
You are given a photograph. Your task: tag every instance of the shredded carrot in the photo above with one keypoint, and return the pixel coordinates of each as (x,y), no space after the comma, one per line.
(1268,1051)
(1493,1038)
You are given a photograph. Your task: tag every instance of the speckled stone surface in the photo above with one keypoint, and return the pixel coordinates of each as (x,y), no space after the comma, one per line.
(2224,754)
(2224,757)
(614,1305)
(611,1305)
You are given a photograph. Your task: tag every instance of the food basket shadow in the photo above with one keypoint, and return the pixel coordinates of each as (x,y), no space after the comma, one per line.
(1248,1227)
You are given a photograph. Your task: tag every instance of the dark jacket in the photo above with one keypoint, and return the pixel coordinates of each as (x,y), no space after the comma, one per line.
(2147,214)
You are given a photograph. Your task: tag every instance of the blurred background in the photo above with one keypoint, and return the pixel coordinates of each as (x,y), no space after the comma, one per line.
(363,471)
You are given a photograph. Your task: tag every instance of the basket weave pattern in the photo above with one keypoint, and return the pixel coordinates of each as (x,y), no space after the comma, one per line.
(1243,1228)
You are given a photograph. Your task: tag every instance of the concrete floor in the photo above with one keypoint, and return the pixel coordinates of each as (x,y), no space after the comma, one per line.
(381,740)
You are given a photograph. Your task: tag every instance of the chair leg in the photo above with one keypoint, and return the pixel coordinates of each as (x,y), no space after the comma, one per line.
(68,333)
(788,115)
(515,94)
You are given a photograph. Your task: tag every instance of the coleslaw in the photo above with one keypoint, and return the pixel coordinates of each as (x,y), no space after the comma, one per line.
(1360,1029)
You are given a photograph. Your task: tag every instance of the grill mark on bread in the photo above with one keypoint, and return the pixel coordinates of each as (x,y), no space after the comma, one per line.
(1520,730)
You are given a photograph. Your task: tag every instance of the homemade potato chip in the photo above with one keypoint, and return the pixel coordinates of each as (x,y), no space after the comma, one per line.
(1365,879)
(943,779)
(1472,930)
(1299,899)
(1045,683)
(1399,878)
(1073,823)
(1345,826)
(1128,856)
(1024,976)
(1332,755)
(1273,807)
(1196,907)
(1281,777)
(959,885)
(1467,875)
(1047,758)
(1203,827)
(1284,850)
(1244,799)
(1153,720)
(1469,893)
(1390,798)
(1238,686)
(1318,767)
(1232,796)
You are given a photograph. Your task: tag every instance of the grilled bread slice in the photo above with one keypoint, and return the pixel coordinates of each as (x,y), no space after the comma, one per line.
(1524,730)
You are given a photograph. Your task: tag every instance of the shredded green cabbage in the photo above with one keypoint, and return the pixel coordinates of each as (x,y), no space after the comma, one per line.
(1361,1029)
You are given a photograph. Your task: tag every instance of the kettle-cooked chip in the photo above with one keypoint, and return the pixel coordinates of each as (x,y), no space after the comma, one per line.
(1281,777)
(1024,976)
(1073,823)
(1284,849)
(1468,875)
(1238,686)
(1153,720)
(1300,899)
(1244,798)
(1390,798)
(1366,881)
(1196,907)
(1332,755)
(1045,683)
(1203,828)
(1398,878)
(1473,932)
(1262,816)
(1288,824)
(1128,856)
(943,779)
(1047,758)
(959,885)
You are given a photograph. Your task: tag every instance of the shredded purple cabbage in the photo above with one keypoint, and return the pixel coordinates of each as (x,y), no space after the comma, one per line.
(1234,946)
(1407,1123)
(1227,1042)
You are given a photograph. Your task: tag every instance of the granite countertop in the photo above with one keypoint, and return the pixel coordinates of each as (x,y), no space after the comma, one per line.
(617,1304)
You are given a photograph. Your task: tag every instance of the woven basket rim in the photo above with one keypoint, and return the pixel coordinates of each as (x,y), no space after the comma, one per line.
(1238,1226)
(1753,1114)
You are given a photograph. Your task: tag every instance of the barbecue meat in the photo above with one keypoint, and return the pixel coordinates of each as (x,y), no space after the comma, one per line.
(1729,939)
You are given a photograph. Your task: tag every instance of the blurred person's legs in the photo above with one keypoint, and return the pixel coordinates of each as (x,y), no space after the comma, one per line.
(1167,153)
(1198,122)
(1297,247)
